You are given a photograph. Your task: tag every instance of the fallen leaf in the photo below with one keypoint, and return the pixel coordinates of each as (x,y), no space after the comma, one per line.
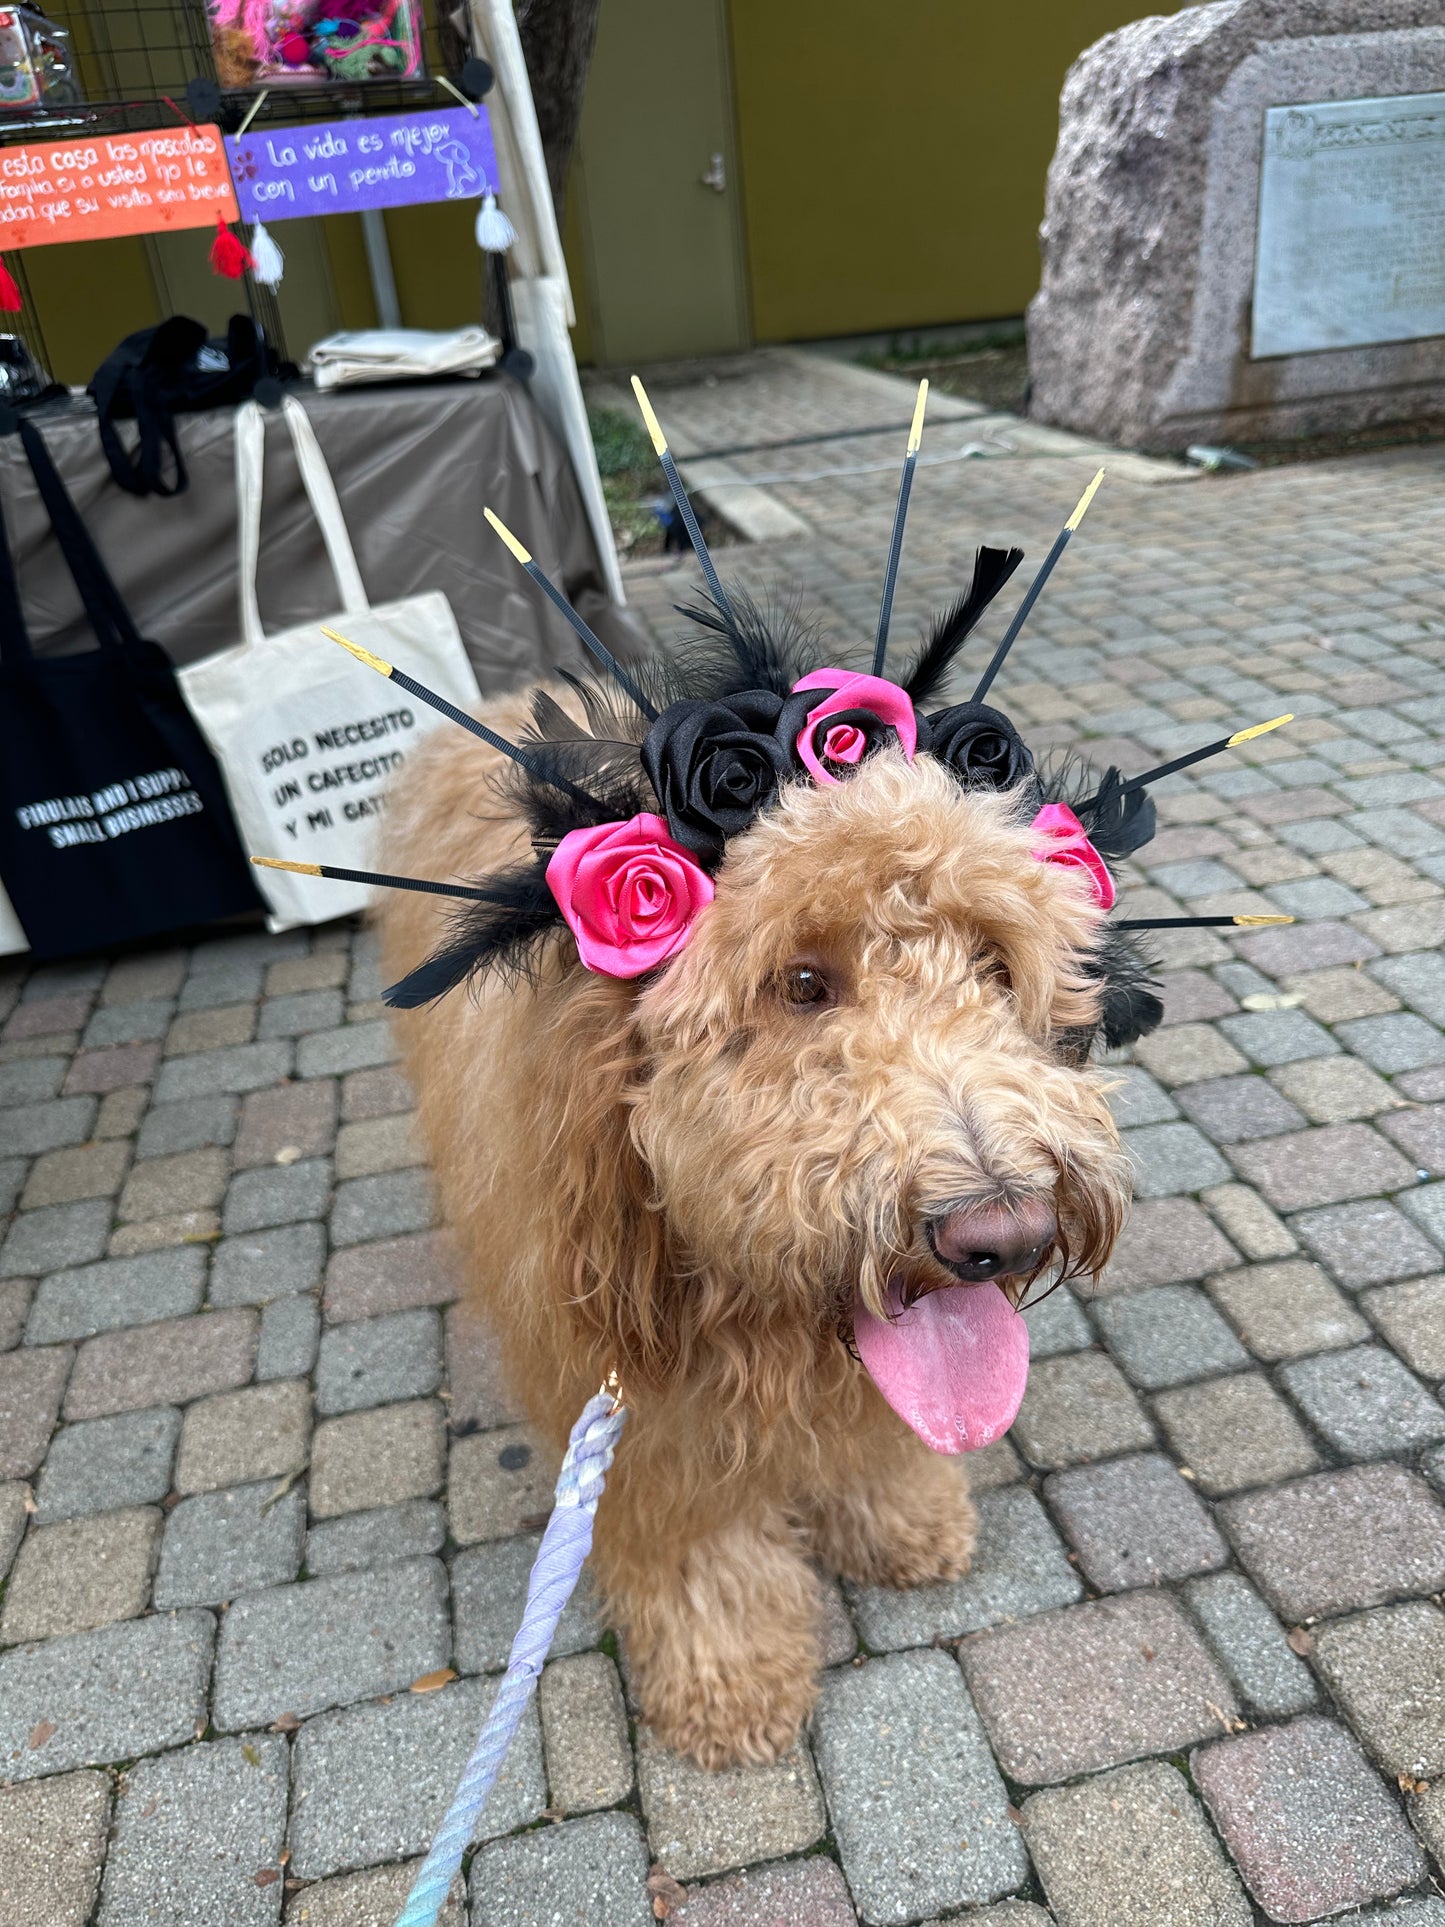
(39,1734)
(288,1154)
(267,1877)
(288,1723)
(1187,1472)
(1301,1641)
(250,1755)
(666,1892)
(1147,1651)
(433,1682)
(1271,1000)
(1014,1815)
(202,1237)
(27,1499)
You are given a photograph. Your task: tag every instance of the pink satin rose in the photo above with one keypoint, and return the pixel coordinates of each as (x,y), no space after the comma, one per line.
(1059,838)
(629,894)
(883,699)
(844,743)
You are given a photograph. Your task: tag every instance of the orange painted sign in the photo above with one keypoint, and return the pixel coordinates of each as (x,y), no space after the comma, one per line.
(99,185)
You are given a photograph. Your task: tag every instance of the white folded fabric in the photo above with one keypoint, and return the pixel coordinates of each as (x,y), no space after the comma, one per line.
(400,354)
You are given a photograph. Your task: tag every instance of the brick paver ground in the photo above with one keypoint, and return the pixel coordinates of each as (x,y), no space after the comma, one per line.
(258,1475)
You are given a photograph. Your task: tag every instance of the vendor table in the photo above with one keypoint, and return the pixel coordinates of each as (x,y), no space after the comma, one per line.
(414,465)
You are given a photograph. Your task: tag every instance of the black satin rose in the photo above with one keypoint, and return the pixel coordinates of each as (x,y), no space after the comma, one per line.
(981,746)
(714,765)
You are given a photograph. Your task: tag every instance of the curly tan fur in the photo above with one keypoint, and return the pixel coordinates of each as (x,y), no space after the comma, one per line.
(689,1179)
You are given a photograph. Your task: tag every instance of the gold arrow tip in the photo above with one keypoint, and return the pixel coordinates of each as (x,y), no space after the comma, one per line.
(280,863)
(524,556)
(1260,729)
(915,433)
(1084,500)
(361,655)
(649,416)
(1252,921)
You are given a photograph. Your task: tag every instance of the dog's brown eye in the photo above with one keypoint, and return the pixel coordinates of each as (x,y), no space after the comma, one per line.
(803,984)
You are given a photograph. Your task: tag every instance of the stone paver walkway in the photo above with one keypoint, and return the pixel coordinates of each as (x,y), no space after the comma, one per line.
(258,1480)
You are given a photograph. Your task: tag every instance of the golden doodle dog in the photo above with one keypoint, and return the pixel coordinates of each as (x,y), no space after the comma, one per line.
(763,1082)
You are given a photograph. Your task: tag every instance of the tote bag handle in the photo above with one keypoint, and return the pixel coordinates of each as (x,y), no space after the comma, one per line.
(14,636)
(109,617)
(320,492)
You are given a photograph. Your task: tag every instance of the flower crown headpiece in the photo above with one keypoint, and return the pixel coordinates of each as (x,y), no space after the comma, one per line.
(631,810)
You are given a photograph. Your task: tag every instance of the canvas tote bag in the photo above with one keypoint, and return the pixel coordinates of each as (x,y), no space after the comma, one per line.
(308,738)
(113,818)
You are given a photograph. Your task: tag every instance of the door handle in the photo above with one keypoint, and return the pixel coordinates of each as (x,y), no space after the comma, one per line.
(716,176)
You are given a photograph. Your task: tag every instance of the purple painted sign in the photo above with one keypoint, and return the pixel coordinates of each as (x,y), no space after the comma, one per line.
(341,166)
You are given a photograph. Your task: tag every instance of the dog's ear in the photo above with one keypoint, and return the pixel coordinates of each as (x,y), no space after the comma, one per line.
(605,1244)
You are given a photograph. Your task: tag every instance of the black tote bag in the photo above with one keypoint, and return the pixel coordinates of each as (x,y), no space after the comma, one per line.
(114,822)
(159,372)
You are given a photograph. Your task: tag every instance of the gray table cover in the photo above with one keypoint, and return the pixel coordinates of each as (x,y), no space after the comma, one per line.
(414,466)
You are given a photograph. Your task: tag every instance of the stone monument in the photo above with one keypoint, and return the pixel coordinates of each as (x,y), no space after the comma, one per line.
(1244,237)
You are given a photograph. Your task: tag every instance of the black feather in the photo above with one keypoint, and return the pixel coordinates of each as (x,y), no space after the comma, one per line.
(611,716)
(499,934)
(768,646)
(1132,1006)
(590,757)
(991,570)
(1118,821)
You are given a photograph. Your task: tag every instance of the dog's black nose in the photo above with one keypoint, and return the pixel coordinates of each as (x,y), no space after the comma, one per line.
(994,1241)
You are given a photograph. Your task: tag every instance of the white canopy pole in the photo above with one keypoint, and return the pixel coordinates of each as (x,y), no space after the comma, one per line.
(541,292)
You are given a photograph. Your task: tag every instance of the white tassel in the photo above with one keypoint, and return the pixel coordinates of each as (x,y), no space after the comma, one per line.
(270,261)
(495,232)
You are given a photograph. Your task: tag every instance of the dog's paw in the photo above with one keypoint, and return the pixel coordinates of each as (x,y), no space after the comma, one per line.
(741,1723)
(900,1549)
(925,1564)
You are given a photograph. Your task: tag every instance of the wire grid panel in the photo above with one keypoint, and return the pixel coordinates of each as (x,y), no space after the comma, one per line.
(135,57)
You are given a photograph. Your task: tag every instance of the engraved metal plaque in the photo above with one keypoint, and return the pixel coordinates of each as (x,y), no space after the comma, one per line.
(1351,244)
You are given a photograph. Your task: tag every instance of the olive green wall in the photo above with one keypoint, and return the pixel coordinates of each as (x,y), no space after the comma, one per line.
(885,166)
(893,161)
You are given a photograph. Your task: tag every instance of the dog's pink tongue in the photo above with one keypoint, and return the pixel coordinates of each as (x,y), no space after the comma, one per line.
(953,1365)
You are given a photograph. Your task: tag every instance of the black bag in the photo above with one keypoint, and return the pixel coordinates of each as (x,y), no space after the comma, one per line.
(113,820)
(169,369)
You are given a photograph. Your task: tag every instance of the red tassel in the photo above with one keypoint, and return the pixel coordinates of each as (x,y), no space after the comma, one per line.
(11,299)
(229,256)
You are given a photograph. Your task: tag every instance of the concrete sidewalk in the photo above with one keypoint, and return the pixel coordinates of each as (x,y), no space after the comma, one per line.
(258,1479)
